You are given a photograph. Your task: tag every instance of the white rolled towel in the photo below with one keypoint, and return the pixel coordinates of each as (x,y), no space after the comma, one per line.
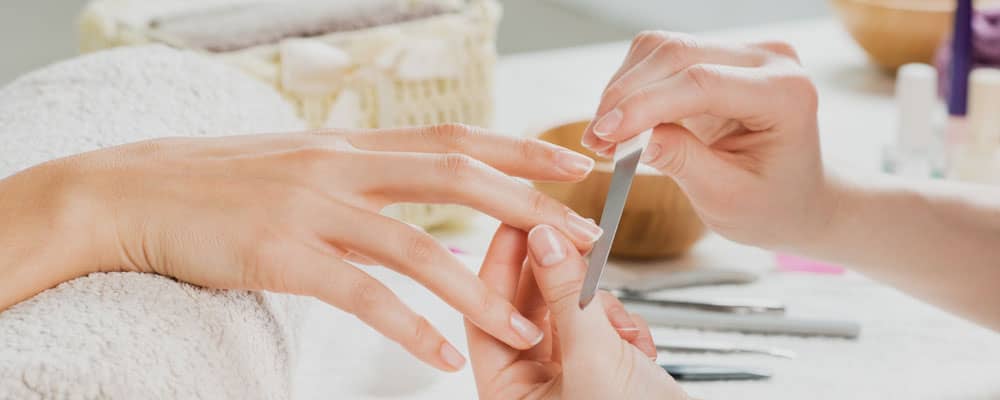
(130,335)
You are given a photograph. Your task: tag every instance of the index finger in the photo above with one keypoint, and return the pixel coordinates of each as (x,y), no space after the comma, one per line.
(752,96)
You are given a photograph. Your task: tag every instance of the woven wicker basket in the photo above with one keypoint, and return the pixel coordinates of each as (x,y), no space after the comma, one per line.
(380,80)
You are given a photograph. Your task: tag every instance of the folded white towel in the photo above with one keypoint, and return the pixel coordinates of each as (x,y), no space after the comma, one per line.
(129,335)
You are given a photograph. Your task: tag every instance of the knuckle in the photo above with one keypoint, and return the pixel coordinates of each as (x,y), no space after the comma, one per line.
(675,163)
(533,149)
(452,135)
(800,88)
(484,303)
(154,147)
(313,160)
(643,95)
(564,294)
(614,91)
(363,296)
(420,249)
(459,166)
(421,333)
(702,77)
(676,45)
(781,48)
(648,39)
(539,204)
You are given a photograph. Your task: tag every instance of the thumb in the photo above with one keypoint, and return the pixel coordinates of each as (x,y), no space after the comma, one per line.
(559,271)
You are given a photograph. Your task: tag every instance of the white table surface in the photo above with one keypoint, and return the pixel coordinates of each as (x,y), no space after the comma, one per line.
(906,350)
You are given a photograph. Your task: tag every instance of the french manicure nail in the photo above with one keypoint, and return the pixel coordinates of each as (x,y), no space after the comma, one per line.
(651,153)
(574,163)
(451,356)
(583,228)
(527,330)
(608,123)
(546,247)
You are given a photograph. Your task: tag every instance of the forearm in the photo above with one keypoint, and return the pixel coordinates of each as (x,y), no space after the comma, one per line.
(44,238)
(939,241)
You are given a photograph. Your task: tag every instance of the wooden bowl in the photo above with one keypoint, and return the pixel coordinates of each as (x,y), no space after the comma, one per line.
(658,221)
(896,32)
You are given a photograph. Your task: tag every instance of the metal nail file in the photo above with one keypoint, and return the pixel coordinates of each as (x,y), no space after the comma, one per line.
(735,306)
(626,161)
(721,348)
(696,372)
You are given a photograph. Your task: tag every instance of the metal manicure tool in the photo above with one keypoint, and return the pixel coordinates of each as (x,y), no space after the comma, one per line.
(721,348)
(626,161)
(735,306)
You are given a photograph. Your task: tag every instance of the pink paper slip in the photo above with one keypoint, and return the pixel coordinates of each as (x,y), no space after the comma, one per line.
(790,263)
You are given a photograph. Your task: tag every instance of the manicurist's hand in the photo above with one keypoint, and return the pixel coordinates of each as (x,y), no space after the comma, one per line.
(282,212)
(735,125)
(600,352)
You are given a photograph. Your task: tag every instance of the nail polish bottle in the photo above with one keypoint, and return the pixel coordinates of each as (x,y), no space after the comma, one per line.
(919,149)
(958,80)
(979,159)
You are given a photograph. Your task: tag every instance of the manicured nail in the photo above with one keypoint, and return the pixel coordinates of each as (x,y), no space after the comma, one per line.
(584,229)
(574,163)
(651,153)
(527,330)
(588,141)
(451,356)
(546,246)
(607,153)
(627,330)
(608,123)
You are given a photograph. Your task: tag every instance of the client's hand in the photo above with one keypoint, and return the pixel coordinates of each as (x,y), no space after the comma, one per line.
(600,352)
(281,212)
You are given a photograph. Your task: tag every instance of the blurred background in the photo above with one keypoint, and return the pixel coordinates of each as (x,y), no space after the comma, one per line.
(46,31)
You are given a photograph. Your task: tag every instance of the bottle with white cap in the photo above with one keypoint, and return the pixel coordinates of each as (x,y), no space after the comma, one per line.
(980,160)
(919,148)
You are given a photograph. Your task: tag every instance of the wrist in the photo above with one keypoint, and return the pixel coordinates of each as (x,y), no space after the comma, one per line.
(47,235)
(837,206)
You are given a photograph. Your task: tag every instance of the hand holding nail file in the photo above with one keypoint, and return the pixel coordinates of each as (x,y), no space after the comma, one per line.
(626,161)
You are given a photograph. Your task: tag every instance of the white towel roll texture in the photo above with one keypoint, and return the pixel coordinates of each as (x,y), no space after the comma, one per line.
(130,335)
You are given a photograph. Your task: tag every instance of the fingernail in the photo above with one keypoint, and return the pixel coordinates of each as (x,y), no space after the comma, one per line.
(608,123)
(451,356)
(527,330)
(574,163)
(588,141)
(584,229)
(546,246)
(651,153)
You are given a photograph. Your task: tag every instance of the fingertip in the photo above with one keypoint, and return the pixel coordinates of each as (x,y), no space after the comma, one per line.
(608,152)
(529,333)
(644,340)
(453,360)
(608,124)
(618,316)
(546,246)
